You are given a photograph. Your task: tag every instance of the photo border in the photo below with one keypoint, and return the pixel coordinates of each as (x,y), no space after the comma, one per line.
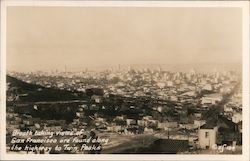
(244,5)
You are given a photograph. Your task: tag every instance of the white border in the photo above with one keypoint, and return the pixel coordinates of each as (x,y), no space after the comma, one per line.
(245,35)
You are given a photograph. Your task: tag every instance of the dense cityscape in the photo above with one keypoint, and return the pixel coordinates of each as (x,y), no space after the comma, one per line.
(136,110)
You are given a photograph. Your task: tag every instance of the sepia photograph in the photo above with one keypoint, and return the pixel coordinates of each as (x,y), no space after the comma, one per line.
(124,78)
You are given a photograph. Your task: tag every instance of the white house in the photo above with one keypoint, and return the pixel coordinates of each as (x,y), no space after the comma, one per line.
(237,117)
(207,136)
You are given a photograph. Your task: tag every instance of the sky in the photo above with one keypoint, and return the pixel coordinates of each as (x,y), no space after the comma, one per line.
(47,38)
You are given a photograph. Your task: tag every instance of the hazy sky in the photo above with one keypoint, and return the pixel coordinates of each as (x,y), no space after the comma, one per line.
(44,38)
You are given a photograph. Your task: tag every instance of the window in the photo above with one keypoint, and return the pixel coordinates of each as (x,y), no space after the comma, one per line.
(206,134)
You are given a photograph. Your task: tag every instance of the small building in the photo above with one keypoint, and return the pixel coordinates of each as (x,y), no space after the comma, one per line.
(211,99)
(147,117)
(130,121)
(53,128)
(83,106)
(114,128)
(207,135)
(189,94)
(162,125)
(148,130)
(237,117)
(207,87)
(142,123)
(80,114)
(173,98)
(119,117)
(97,99)
(28,122)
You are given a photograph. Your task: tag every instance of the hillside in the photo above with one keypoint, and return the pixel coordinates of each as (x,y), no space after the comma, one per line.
(27,92)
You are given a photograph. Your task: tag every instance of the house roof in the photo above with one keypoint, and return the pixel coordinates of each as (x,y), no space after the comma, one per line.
(226,124)
(209,125)
(220,121)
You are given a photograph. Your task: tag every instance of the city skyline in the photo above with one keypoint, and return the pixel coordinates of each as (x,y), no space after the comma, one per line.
(48,38)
